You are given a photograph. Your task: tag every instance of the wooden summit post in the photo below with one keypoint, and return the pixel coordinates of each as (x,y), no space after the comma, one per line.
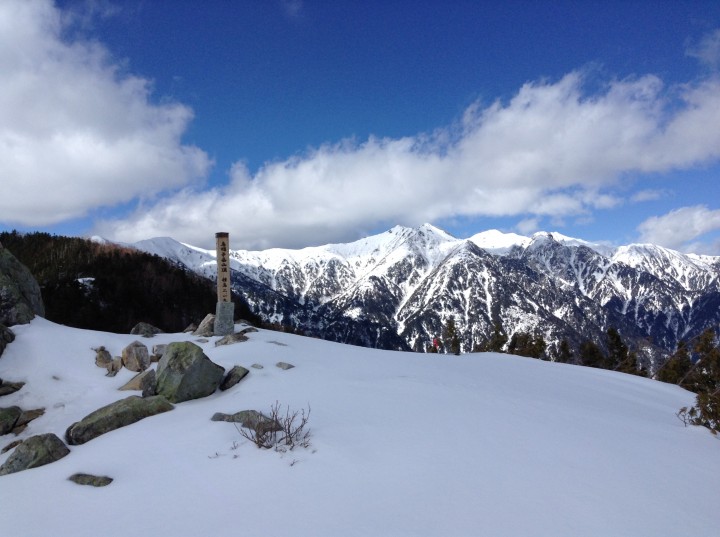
(225,309)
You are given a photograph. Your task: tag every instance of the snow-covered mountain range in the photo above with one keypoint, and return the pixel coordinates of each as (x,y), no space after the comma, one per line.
(398,289)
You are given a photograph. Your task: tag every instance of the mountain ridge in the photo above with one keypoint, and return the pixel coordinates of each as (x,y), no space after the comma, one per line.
(399,288)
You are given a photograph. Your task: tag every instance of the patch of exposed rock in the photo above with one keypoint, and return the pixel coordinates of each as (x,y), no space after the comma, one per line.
(237,337)
(144,382)
(36,451)
(103,358)
(251,419)
(136,357)
(20,298)
(185,372)
(6,336)
(6,388)
(145,330)
(207,326)
(115,415)
(91,480)
(235,375)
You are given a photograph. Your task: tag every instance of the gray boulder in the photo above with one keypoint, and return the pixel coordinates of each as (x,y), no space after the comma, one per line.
(114,366)
(135,357)
(235,375)
(8,418)
(158,351)
(91,480)
(184,373)
(26,417)
(115,415)
(237,337)
(144,382)
(6,336)
(145,330)
(207,326)
(250,419)
(35,451)
(6,388)
(102,357)
(20,298)
(284,365)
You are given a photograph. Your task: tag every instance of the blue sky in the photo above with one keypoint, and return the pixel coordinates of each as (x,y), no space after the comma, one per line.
(296,123)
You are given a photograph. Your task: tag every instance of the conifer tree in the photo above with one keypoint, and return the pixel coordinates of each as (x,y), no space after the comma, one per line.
(497,340)
(564,353)
(675,367)
(452,341)
(590,355)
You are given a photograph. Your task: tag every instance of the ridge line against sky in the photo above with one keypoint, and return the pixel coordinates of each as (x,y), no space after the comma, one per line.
(297,123)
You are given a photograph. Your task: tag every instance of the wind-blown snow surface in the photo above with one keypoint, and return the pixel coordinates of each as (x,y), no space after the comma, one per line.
(403,445)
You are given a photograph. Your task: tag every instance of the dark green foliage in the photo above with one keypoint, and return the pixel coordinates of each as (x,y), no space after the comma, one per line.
(590,355)
(619,357)
(564,353)
(450,336)
(705,413)
(524,344)
(676,367)
(128,286)
(702,377)
(496,342)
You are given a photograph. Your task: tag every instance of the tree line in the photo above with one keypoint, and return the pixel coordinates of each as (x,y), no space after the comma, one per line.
(695,365)
(107,287)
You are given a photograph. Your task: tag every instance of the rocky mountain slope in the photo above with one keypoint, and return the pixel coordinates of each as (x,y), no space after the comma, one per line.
(398,289)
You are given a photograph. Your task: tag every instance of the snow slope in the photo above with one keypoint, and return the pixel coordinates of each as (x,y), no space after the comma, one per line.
(403,444)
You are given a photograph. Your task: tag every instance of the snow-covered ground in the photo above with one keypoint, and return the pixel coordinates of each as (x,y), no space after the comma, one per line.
(402,445)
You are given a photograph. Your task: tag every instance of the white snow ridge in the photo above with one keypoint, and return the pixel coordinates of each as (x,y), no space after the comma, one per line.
(403,444)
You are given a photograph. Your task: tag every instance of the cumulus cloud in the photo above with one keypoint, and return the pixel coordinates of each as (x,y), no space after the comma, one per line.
(681,228)
(553,150)
(75,132)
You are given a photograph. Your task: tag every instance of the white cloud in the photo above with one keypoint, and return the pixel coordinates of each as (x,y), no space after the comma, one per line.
(75,133)
(528,226)
(681,228)
(707,51)
(648,195)
(552,150)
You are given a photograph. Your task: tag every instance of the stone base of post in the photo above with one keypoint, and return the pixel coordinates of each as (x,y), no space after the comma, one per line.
(224,318)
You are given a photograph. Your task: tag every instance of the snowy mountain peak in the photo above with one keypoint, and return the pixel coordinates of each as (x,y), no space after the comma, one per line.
(497,242)
(396,289)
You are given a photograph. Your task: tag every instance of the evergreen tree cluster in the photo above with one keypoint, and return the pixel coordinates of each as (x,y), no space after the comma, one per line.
(696,367)
(617,357)
(110,288)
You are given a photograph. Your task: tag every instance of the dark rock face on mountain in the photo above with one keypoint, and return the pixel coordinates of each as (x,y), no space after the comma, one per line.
(20,298)
(399,289)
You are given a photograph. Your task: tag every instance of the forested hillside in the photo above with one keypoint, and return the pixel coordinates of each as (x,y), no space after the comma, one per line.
(111,288)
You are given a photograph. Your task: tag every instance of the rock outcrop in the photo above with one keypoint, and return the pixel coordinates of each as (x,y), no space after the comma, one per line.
(235,375)
(20,298)
(135,357)
(237,337)
(35,451)
(144,382)
(185,372)
(6,336)
(91,480)
(251,419)
(8,418)
(115,415)
(207,326)
(6,388)
(145,330)
(103,358)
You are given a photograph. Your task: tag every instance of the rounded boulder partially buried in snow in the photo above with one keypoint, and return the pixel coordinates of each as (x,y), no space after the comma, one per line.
(185,372)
